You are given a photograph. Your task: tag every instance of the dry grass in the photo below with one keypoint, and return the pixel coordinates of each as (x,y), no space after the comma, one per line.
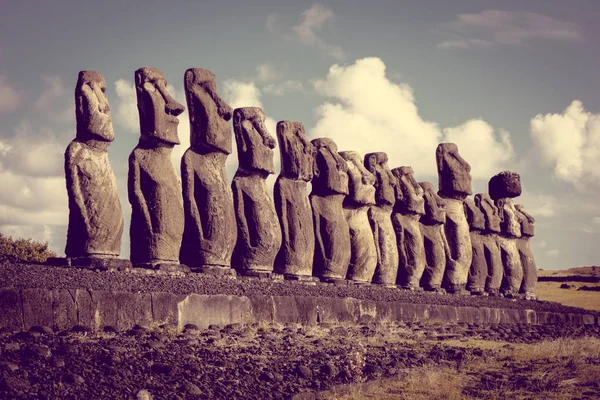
(551,291)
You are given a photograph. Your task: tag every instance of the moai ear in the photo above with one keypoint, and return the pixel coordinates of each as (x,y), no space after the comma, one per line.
(316,170)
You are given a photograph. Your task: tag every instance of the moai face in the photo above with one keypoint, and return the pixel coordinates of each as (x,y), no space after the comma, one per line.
(492,217)
(386,182)
(454,173)
(360,181)
(409,194)
(297,153)
(434,204)
(157,108)
(209,114)
(330,170)
(526,220)
(92,111)
(509,223)
(254,143)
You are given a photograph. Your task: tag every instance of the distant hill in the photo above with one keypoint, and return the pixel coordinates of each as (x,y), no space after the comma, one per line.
(592,271)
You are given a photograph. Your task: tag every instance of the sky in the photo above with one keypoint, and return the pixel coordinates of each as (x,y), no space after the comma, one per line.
(514,84)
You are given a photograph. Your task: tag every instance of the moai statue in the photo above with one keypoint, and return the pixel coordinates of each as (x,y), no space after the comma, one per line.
(524,247)
(332,234)
(479,271)
(95,216)
(503,187)
(356,205)
(210,230)
(380,217)
(259,233)
(409,208)
(157,218)
(454,186)
(434,238)
(489,237)
(295,258)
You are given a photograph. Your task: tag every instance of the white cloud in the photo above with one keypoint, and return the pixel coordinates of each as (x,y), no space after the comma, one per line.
(540,205)
(266,73)
(272,22)
(596,220)
(312,22)
(10,98)
(506,27)
(127,113)
(53,90)
(570,142)
(372,113)
(554,253)
(279,89)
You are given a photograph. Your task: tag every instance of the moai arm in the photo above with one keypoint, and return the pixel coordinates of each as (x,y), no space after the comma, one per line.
(283,218)
(189,201)
(238,202)
(136,196)
(74,185)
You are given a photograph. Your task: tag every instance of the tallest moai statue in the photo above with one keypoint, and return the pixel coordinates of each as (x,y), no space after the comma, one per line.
(154,189)
(210,228)
(454,175)
(95,217)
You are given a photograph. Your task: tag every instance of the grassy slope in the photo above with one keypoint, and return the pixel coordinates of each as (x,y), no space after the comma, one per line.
(551,291)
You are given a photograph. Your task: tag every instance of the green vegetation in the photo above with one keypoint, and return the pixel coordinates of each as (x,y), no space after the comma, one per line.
(23,250)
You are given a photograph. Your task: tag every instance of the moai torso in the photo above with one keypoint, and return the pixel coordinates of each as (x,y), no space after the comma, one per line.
(526,255)
(478,272)
(454,175)
(295,257)
(408,209)
(489,237)
(329,188)
(434,238)
(380,216)
(259,233)
(503,187)
(356,205)
(95,216)
(157,217)
(210,230)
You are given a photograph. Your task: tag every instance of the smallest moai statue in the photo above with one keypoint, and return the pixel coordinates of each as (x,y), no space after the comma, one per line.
(434,239)
(259,233)
(356,208)
(503,187)
(524,247)
(489,237)
(478,272)
(409,208)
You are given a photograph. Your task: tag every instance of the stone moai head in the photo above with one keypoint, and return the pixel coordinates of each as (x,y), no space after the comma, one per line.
(330,170)
(409,194)
(434,205)
(92,111)
(506,184)
(254,143)
(158,110)
(360,181)
(386,182)
(492,217)
(209,114)
(475,217)
(454,173)
(297,153)
(526,220)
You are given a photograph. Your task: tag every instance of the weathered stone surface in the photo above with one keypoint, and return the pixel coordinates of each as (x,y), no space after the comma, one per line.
(380,217)
(363,260)
(210,231)
(157,218)
(454,185)
(478,271)
(332,234)
(407,212)
(295,258)
(11,305)
(507,241)
(506,184)
(495,270)
(434,238)
(454,173)
(524,247)
(259,233)
(95,216)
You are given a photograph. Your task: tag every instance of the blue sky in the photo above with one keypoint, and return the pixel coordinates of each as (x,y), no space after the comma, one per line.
(513,83)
